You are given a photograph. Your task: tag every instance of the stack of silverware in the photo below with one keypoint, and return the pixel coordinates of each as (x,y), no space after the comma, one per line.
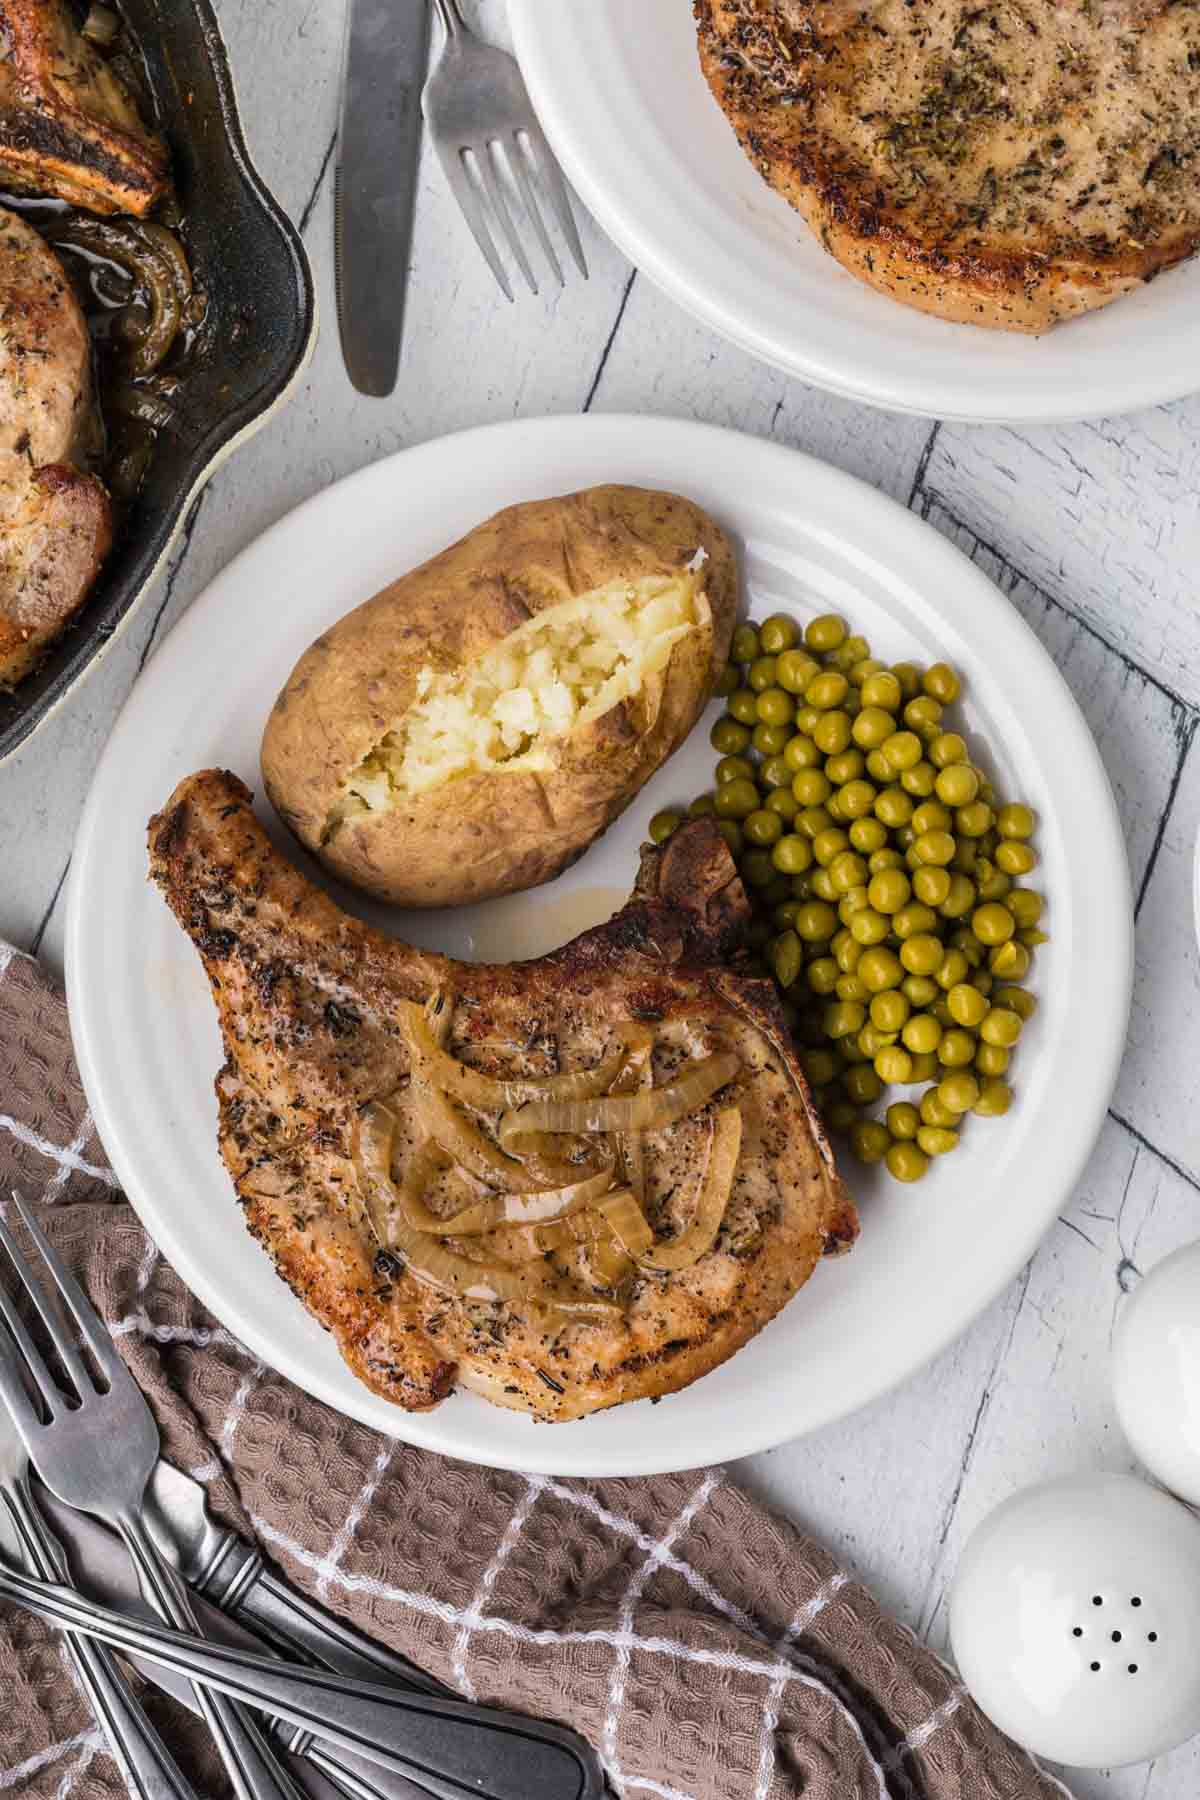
(116,1548)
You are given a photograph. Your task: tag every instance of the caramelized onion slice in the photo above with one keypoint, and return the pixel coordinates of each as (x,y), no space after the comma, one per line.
(523,1211)
(649,1110)
(714,1188)
(626,1220)
(463,1140)
(487,1092)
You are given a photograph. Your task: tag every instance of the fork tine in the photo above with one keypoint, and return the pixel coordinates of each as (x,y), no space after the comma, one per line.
(471,207)
(92,1329)
(47,1386)
(519,166)
(68,1353)
(545,164)
(13,1391)
(491,186)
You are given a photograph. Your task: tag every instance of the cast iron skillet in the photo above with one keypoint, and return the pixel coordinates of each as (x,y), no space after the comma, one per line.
(260,332)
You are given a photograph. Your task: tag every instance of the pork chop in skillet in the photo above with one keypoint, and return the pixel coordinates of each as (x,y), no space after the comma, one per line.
(619,1131)
(1008,164)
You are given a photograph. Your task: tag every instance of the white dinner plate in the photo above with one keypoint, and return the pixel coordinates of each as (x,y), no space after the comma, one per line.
(618,88)
(812,539)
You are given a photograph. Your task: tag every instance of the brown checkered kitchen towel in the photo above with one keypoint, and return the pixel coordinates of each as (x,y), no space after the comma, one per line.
(708,1649)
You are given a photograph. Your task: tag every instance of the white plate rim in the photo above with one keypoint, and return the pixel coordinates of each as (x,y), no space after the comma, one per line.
(1065,1157)
(1119,389)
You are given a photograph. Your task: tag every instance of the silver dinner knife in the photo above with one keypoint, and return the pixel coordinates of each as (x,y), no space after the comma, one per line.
(375,182)
(231,1574)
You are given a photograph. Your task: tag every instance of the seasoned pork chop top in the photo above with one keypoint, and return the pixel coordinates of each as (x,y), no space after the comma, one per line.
(1028,129)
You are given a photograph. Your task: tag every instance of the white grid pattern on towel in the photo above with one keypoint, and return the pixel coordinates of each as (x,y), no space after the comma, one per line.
(44,1759)
(473,1617)
(60,1154)
(345,1536)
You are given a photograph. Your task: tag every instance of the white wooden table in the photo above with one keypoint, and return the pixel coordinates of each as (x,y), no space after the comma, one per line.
(1094,532)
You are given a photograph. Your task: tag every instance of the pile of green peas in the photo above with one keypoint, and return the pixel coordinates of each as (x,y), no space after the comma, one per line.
(886,878)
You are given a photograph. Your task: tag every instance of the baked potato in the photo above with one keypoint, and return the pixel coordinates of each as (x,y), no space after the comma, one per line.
(473,728)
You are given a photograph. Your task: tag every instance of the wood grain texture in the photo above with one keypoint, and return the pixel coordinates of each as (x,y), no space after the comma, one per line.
(1093,530)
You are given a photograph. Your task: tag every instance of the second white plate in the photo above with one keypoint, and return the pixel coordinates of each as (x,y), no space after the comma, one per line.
(812,539)
(618,88)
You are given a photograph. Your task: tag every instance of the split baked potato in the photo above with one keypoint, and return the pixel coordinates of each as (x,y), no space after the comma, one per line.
(473,728)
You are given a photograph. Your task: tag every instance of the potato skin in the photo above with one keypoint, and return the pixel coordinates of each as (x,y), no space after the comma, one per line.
(479,836)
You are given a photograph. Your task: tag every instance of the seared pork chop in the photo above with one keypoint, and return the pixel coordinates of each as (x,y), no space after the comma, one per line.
(55,519)
(68,127)
(346,1114)
(1008,164)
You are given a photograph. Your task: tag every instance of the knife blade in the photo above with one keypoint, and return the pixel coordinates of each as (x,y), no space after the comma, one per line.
(375,182)
(100,1564)
(233,1576)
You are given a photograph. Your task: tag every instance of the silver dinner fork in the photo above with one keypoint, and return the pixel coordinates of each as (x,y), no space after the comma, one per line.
(480,118)
(95,1448)
(138,1751)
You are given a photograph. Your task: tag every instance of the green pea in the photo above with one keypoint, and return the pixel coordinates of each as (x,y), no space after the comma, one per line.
(826,632)
(942,683)
(893,807)
(826,691)
(957,785)
(909,677)
(857,799)
(847,950)
(947,749)
(842,1115)
(993,924)
(816,922)
(882,689)
(934,1111)
(1001,1026)
(1015,822)
(702,807)
(924,716)
(1024,905)
(879,968)
(736,799)
(811,787)
(806,718)
(729,737)
(787,958)
(734,768)
(763,827)
(882,860)
(931,885)
(757,868)
(731,831)
(775,707)
(921,990)
(822,973)
(846,766)
(794,670)
(906,1162)
(1015,858)
(845,1018)
(879,768)
(848,871)
(902,749)
(862,671)
(777,633)
(801,753)
(743,706)
(792,855)
(829,844)
(745,644)
(992,883)
(1018,1000)
(982,982)
(958,1091)
(849,987)
(874,729)
(871,1041)
(921,1034)
(966,855)
(973,820)
(727,681)
(889,1009)
(957,1049)
(770,740)
(967,1005)
(954,969)
(995,1098)
(925,1067)
(663,824)
(862,1084)
(903,1119)
(868,836)
(822,886)
(781,800)
(931,816)
(922,953)
(893,1065)
(960,899)
(850,651)
(889,891)
(761,674)
(918,780)
(992,1059)
(869,1140)
(936,847)
(831,733)
(937,1140)
(868,926)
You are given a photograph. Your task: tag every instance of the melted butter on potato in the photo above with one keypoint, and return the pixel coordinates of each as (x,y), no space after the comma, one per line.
(562,668)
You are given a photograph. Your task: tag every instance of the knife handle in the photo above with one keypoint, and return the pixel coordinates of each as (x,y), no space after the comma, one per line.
(239,1582)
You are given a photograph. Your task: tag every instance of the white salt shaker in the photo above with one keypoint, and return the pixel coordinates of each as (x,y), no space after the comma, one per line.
(1156,1372)
(1075,1620)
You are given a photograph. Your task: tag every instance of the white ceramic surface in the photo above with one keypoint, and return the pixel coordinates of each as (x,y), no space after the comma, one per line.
(812,539)
(1075,1620)
(618,87)
(1156,1371)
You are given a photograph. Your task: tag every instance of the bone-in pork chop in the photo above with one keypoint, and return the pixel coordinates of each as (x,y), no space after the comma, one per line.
(55,519)
(1007,164)
(619,1132)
